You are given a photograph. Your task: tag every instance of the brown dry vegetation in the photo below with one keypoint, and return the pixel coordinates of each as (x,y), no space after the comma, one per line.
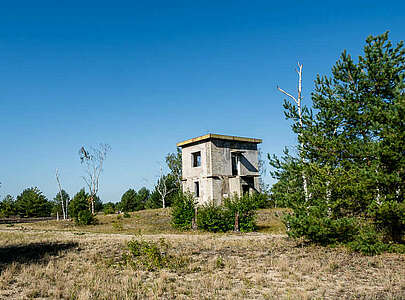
(61,261)
(151,221)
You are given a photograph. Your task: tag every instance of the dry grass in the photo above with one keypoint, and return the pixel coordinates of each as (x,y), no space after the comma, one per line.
(152,221)
(269,220)
(39,263)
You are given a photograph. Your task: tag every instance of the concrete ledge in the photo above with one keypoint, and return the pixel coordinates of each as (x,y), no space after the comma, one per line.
(220,137)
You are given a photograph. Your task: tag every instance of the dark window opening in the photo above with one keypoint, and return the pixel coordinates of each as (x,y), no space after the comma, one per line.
(245,189)
(234,164)
(197,189)
(196,159)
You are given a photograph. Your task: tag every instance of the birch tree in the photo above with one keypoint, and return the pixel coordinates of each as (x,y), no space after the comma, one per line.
(64,205)
(174,162)
(298,102)
(163,187)
(92,159)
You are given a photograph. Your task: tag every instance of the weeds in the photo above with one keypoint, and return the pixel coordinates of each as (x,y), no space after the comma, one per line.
(152,256)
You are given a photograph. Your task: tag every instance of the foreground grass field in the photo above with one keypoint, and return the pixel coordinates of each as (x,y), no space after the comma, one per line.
(58,260)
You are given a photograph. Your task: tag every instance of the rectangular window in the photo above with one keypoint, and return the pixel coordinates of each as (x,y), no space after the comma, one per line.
(196,159)
(245,189)
(234,159)
(197,189)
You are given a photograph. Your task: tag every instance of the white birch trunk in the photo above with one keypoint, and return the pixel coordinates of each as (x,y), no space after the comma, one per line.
(61,196)
(298,102)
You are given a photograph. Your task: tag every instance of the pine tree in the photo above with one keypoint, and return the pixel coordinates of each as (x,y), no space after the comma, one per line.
(78,203)
(7,207)
(353,144)
(32,203)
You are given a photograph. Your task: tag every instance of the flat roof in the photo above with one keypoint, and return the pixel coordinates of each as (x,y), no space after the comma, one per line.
(220,137)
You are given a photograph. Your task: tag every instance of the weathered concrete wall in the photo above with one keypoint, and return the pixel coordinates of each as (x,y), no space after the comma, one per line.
(197,174)
(235,186)
(217,189)
(187,161)
(221,155)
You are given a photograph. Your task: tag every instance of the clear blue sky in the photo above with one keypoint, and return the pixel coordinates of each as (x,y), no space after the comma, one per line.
(143,75)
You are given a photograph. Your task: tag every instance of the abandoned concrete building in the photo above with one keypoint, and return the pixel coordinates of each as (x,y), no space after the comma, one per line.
(219,166)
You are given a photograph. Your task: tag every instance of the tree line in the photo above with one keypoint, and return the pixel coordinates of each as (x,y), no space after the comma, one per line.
(33,203)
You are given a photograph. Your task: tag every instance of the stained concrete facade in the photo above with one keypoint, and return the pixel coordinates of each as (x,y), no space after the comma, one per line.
(218,166)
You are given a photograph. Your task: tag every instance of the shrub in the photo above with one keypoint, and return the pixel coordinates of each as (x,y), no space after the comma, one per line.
(215,218)
(85,217)
(262,200)
(368,242)
(390,218)
(243,210)
(117,225)
(126,215)
(183,210)
(109,208)
(78,203)
(319,228)
(151,256)
(396,248)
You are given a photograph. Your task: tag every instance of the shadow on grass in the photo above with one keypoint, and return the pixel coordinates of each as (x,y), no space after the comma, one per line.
(31,253)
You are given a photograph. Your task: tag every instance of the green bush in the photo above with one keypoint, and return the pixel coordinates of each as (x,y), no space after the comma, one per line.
(389,217)
(183,209)
(319,228)
(222,218)
(368,242)
(78,203)
(126,215)
(243,208)
(85,217)
(396,248)
(262,200)
(109,208)
(215,218)
(117,224)
(151,256)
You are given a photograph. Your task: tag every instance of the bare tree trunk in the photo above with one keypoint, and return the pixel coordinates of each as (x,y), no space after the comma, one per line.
(91,204)
(93,161)
(328,196)
(194,220)
(61,196)
(162,187)
(298,102)
(66,207)
(236,226)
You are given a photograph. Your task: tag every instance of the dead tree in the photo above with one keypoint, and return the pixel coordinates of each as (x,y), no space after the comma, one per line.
(64,205)
(162,187)
(298,100)
(93,161)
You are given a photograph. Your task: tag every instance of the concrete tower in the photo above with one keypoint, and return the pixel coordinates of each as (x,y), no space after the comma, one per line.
(219,166)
